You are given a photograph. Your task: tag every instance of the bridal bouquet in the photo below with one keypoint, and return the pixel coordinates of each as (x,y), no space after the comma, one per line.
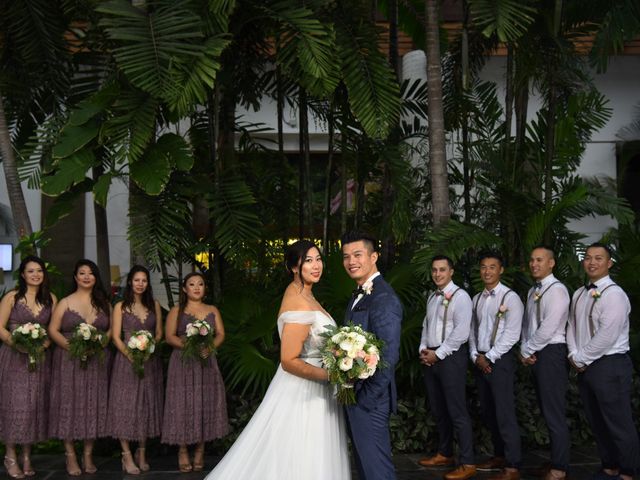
(199,337)
(87,341)
(140,346)
(350,354)
(30,338)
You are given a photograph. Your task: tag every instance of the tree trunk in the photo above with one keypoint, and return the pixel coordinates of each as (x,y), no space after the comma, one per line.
(327,184)
(19,210)
(437,139)
(102,236)
(466,163)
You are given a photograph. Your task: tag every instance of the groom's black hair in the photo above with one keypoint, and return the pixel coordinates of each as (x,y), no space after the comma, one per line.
(356,236)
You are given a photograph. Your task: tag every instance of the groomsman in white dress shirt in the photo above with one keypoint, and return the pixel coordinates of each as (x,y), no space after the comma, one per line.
(443,352)
(598,341)
(543,347)
(496,326)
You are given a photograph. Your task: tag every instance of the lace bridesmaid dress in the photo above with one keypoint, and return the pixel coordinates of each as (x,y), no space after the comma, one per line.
(195,408)
(23,394)
(298,432)
(79,396)
(135,404)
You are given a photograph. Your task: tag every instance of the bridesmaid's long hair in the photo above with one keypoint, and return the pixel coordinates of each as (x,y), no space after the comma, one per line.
(147,296)
(43,297)
(182,301)
(295,255)
(99,297)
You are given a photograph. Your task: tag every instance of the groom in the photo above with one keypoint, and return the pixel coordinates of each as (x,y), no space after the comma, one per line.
(376,308)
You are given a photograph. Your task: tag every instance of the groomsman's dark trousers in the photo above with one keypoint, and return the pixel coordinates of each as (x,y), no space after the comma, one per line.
(498,409)
(605,389)
(446,382)
(551,372)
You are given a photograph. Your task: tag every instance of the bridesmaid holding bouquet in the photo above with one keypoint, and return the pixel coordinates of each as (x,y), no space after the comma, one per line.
(135,402)
(80,387)
(24,381)
(195,409)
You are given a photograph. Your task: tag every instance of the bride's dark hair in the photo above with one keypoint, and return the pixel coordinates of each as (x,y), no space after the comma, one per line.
(295,255)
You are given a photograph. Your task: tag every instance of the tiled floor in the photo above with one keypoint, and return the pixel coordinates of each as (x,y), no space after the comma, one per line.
(51,467)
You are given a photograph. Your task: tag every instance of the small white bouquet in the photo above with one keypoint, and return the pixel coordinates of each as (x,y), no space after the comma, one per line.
(86,342)
(140,346)
(30,339)
(199,337)
(350,354)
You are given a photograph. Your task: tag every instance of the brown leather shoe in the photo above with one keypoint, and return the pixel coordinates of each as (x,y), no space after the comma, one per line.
(463,472)
(436,461)
(506,474)
(494,463)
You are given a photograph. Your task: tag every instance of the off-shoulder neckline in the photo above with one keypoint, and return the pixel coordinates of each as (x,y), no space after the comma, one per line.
(305,311)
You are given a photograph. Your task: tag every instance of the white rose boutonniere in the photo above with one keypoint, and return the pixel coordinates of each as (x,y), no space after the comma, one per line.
(367,288)
(502,310)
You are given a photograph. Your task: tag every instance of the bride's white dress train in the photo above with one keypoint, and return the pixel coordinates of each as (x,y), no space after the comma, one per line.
(298,431)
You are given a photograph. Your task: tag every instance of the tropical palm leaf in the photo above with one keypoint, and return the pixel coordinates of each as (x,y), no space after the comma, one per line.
(304,40)
(162,227)
(374,94)
(155,47)
(453,239)
(237,227)
(508,19)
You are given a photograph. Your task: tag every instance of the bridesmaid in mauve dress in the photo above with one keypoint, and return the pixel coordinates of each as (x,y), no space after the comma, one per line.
(135,404)
(78,409)
(195,409)
(23,393)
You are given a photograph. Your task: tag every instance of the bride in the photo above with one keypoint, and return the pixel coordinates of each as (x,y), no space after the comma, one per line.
(298,431)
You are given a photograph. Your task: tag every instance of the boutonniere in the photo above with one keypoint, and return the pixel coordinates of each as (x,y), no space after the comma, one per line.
(367,288)
(595,294)
(446,298)
(502,309)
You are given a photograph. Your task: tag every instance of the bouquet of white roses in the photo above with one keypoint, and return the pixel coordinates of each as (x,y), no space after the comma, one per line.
(140,346)
(86,342)
(199,337)
(350,354)
(30,338)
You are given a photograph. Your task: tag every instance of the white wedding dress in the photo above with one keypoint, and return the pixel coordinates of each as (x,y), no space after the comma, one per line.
(298,431)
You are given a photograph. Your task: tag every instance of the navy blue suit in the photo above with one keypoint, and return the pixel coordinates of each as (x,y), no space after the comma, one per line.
(381,314)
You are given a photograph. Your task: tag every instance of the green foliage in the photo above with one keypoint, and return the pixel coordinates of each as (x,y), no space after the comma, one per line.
(164,50)
(373,90)
(162,226)
(508,19)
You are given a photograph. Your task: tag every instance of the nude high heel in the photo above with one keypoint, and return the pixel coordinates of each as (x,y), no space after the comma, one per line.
(12,467)
(130,471)
(143,466)
(26,466)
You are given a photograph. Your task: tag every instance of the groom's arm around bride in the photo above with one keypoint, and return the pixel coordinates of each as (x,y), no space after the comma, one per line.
(377,309)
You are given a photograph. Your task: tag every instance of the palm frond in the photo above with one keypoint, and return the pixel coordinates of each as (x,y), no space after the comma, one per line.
(237,226)
(162,225)
(374,94)
(621,23)
(508,19)
(453,239)
(149,43)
